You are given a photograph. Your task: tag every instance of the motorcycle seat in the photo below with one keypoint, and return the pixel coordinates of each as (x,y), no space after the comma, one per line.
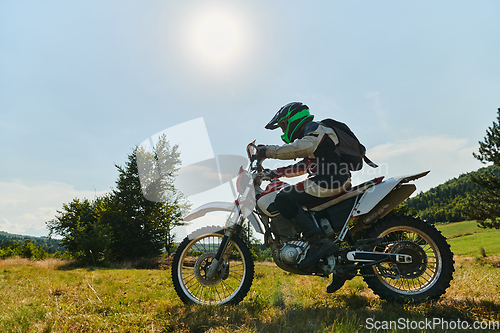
(344,195)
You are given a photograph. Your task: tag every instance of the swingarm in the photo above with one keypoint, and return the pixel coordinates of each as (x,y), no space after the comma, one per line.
(377,257)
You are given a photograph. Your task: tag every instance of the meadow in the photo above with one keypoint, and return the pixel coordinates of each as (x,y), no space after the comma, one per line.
(53,296)
(467,239)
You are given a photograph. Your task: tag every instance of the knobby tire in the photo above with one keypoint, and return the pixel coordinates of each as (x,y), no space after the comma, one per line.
(426,279)
(188,269)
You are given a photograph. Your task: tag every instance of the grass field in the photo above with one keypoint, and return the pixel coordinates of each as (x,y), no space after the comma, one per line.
(467,239)
(50,296)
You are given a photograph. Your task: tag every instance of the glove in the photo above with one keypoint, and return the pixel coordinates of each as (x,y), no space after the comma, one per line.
(261,152)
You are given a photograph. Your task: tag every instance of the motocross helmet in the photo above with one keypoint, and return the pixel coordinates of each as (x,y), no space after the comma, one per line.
(290,118)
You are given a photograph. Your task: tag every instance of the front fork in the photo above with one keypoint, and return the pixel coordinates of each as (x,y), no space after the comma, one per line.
(226,246)
(234,225)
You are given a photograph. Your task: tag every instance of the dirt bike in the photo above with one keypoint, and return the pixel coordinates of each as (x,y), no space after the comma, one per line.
(401,258)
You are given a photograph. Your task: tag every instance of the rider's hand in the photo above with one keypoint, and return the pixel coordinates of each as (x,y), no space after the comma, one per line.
(261,152)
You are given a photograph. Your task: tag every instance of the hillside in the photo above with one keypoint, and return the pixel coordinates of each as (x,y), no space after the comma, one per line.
(444,203)
(467,239)
(50,245)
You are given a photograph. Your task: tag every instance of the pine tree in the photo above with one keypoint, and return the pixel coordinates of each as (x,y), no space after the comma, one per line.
(484,205)
(146,204)
(157,169)
(135,220)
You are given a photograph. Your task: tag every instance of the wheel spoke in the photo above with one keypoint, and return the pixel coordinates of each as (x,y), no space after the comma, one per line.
(228,286)
(195,261)
(413,239)
(186,281)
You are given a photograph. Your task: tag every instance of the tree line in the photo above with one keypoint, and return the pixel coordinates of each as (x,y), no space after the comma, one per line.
(473,196)
(449,201)
(49,245)
(26,249)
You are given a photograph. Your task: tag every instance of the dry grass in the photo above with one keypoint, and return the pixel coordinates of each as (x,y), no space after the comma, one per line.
(481,284)
(46,296)
(49,263)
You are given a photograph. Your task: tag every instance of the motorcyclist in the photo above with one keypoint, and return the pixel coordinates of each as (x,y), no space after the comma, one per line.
(315,143)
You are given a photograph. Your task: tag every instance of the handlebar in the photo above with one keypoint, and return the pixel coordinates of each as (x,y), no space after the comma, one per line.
(251,150)
(261,172)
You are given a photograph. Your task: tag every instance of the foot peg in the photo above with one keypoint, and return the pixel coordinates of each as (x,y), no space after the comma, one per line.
(317,251)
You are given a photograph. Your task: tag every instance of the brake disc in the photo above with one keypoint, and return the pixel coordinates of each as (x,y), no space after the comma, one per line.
(419,262)
(202,265)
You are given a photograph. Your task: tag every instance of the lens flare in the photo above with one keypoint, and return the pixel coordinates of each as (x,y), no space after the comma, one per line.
(217,37)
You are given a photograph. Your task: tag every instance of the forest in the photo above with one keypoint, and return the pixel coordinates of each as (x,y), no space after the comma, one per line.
(49,245)
(446,202)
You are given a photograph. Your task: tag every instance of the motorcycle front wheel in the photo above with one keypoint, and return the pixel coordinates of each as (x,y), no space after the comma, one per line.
(428,275)
(192,260)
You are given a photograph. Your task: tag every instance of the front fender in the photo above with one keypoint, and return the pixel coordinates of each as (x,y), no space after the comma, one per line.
(222,206)
(215,206)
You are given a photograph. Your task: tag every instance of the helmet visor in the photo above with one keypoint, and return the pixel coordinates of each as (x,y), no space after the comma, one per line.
(273,124)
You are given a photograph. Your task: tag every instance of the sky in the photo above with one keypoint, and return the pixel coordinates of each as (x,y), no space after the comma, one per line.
(83,83)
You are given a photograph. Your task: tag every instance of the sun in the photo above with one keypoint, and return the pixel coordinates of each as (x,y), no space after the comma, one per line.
(217,37)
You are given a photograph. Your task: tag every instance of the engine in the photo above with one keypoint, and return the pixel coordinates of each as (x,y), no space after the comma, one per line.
(284,228)
(293,252)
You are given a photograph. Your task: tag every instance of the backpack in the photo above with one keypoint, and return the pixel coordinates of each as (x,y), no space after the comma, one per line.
(351,151)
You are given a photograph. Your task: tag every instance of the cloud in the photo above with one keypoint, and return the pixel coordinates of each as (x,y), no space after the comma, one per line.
(25,209)
(447,157)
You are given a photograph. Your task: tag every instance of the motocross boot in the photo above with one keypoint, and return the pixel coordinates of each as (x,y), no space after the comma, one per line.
(319,244)
(338,281)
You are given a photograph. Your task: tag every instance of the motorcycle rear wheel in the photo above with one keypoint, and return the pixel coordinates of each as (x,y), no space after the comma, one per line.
(192,260)
(431,270)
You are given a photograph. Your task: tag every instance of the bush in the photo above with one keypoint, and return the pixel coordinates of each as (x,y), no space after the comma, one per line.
(27,250)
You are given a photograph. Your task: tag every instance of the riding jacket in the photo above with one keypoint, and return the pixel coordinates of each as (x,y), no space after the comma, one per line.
(317,147)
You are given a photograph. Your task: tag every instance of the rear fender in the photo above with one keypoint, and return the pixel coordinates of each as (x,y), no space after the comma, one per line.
(391,201)
(375,194)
